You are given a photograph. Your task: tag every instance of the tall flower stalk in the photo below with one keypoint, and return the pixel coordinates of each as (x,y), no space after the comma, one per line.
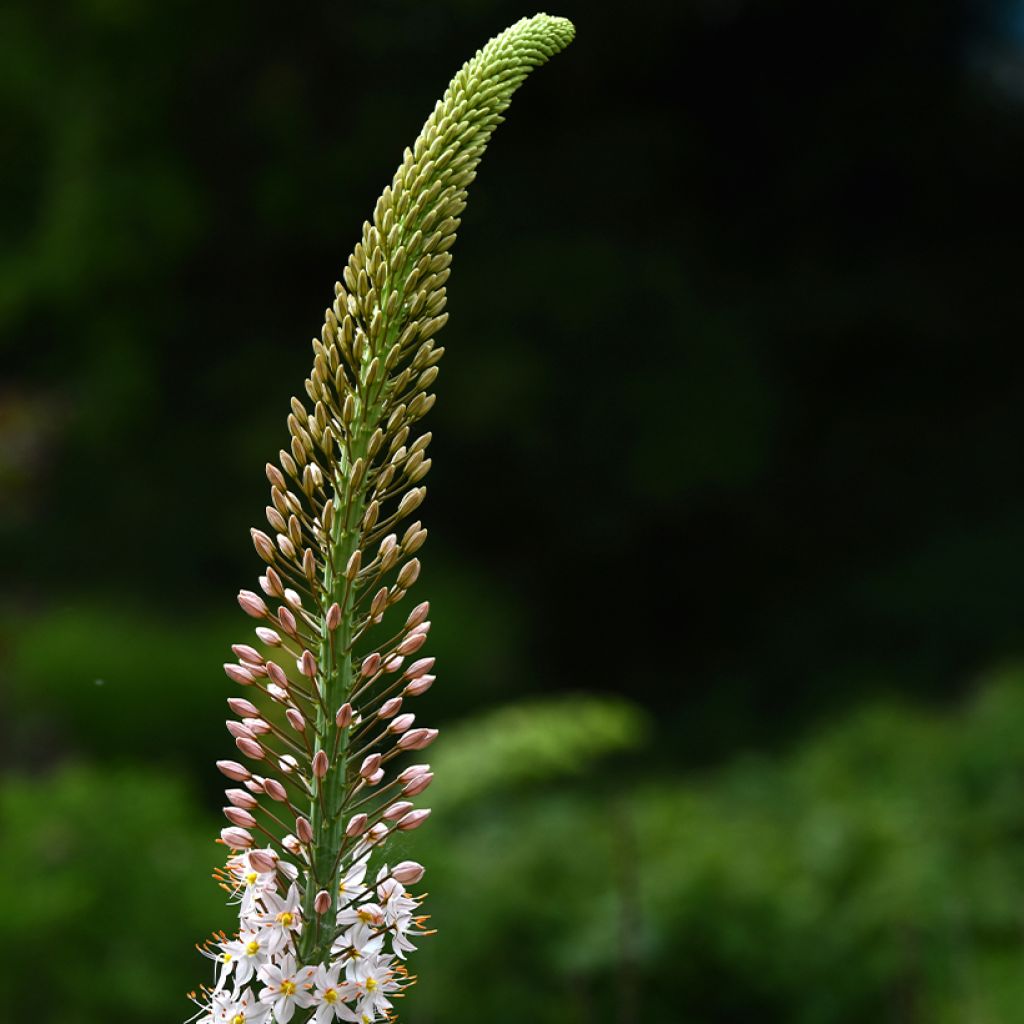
(325,919)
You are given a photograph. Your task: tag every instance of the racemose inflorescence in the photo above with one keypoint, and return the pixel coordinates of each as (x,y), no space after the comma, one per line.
(325,729)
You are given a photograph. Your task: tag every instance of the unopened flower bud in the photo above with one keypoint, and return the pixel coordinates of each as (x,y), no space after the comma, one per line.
(303,830)
(257,726)
(343,719)
(370,764)
(307,664)
(333,616)
(408,574)
(394,663)
(287,620)
(238,729)
(292,845)
(234,770)
(278,693)
(320,764)
(275,790)
(408,872)
(402,723)
(417,784)
(416,739)
(414,819)
(412,771)
(288,764)
(239,674)
(276,674)
(295,719)
(268,636)
(374,779)
(265,861)
(246,653)
(417,668)
(252,604)
(322,903)
(293,599)
(417,615)
(251,748)
(239,816)
(371,664)
(242,707)
(264,545)
(390,707)
(396,810)
(412,643)
(240,798)
(419,685)
(236,838)
(356,824)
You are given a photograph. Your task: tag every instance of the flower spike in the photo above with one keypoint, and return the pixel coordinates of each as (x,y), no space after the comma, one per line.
(327,701)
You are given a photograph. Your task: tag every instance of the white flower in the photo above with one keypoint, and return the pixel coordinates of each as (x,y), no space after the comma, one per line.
(330,996)
(361,939)
(351,887)
(287,987)
(242,957)
(281,919)
(250,884)
(373,978)
(243,1009)
(363,913)
(395,902)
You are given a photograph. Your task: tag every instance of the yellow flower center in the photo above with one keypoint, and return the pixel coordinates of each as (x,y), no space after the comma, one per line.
(251,877)
(239,1018)
(287,988)
(365,916)
(330,996)
(252,947)
(226,958)
(371,984)
(285,918)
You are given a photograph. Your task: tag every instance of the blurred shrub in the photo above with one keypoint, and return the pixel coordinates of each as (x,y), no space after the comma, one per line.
(875,873)
(105,877)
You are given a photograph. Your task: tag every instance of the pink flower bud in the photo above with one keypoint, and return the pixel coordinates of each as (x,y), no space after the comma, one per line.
(390,707)
(239,816)
(246,653)
(408,872)
(419,685)
(303,830)
(252,604)
(370,764)
(236,838)
(417,668)
(278,693)
(276,674)
(417,784)
(320,764)
(287,764)
(287,620)
(322,903)
(333,617)
(240,798)
(416,739)
(393,664)
(376,833)
(234,770)
(307,664)
(396,810)
(372,780)
(412,643)
(414,819)
(251,748)
(239,674)
(417,615)
(295,719)
(402,723)
(237,729)
(412,771)
(356,824)
(292,845)
(255,784)
(242,707)
(371,665)
(293,598)
(257,726)
(275,790)
(343,719)
(265,861)
(268,636)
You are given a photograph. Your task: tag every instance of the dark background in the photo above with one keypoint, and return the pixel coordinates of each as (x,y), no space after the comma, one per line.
(727,519)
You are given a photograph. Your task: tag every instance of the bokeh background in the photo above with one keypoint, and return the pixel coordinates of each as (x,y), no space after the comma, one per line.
(727,520)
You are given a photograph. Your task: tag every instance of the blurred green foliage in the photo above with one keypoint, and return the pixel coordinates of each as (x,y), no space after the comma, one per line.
(873,873)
